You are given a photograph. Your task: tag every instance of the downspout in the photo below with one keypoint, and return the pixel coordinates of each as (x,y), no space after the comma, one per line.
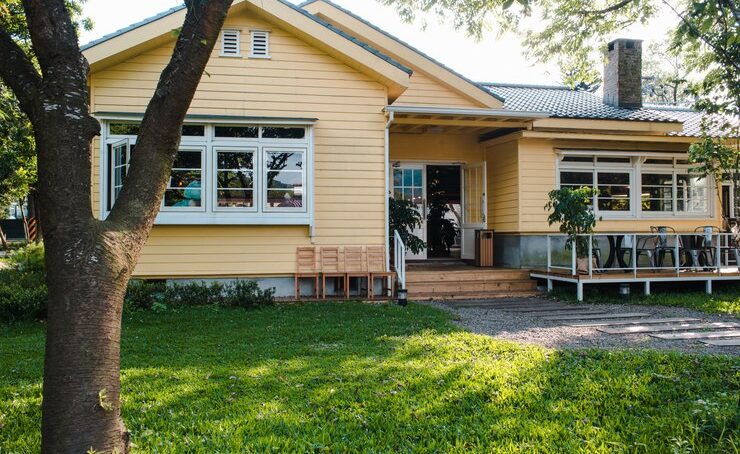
(386,163)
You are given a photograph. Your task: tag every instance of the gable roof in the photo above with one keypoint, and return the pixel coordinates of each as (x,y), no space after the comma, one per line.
(411,54)
(157,28)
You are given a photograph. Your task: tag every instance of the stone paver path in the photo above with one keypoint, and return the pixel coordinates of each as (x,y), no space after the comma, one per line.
(584,325)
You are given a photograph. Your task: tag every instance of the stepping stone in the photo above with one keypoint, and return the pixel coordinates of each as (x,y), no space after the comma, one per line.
(698,335)
(722,342)
(659,328)
(643,321)
(544,308)
(571,313)
(597,317)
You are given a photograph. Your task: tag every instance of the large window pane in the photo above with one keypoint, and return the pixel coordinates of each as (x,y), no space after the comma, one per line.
(185,185)
(281,132)
(576,179)
(235,179)
(691,194)
(237,132)
(614,191)
(657,192)
(284,179)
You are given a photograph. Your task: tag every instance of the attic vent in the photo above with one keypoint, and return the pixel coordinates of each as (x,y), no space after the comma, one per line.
(230,43)
(260,44)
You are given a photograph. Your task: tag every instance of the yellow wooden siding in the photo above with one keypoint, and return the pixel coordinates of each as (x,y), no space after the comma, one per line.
(425,91)
(537,169)
(297,81)
(428,147)
(503,187)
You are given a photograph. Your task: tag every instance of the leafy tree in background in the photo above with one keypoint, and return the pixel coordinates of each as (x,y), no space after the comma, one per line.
(17,148)
(705,38)
(88,261)
(665,77)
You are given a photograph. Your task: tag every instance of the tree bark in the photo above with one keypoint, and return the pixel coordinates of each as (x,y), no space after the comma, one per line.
(3,239)
(89,262)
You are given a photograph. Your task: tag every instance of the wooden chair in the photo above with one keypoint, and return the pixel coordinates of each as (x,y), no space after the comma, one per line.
(355,267)
(306,268)
(376,267)
(331,267)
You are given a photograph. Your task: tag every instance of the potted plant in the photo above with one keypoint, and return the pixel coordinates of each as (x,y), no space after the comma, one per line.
(571,208)
(404,217)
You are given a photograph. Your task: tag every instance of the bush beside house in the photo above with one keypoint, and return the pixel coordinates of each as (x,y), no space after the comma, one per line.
(23,291)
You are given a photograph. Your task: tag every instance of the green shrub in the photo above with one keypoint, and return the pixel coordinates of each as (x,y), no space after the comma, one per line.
(18,299)
(247,294)
(28,259)
(142,295)
(158,296)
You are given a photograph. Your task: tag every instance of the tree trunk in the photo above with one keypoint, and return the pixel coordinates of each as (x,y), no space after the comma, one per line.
(3,239)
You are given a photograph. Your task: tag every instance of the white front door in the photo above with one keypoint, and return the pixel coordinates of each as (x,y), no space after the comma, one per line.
(474,206)
(409,183)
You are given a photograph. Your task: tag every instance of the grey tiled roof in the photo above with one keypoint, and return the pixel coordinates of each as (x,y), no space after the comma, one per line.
(565,102)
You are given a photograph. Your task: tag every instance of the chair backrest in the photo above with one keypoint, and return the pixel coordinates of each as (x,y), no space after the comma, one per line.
(666,236)
(306,260)
(708,237)
(375,259)
(353,259)
(330,261)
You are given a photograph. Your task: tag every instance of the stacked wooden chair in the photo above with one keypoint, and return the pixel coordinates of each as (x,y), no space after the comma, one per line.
(306,268)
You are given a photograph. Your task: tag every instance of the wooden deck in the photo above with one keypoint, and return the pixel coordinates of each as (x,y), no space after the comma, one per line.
(644,276)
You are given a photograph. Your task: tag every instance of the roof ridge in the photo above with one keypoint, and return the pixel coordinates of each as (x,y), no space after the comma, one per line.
(133,26)
(540,86)
(404,43)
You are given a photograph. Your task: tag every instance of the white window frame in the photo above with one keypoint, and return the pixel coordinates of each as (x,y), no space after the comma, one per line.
(111,187)
(238,52)
(210,215)
(637,168)
(271,149)
(266,34)
(203,182)
(256,179)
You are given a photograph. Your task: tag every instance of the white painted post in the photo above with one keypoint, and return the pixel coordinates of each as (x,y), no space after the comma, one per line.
(676,257)
(549,255)
(590,256)
(647,288)
(634,255)
(573,258)
(549,285)
(579,291)
(709,287)
(718,253)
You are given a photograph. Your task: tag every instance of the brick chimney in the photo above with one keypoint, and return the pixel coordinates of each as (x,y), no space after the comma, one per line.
(623,73)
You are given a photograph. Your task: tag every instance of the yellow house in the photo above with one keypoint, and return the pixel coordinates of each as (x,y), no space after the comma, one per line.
(308,117)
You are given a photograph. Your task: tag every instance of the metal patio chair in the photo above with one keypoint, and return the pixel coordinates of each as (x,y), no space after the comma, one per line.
(703,251)
(645,247)
(666,242)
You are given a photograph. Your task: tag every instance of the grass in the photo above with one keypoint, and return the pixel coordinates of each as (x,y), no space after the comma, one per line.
(724,300)
(350,377)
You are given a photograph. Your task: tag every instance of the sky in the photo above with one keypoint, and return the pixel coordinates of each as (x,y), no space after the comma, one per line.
(493,59)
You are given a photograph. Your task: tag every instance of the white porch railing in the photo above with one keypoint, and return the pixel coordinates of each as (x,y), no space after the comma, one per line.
(399,259)
(687,251)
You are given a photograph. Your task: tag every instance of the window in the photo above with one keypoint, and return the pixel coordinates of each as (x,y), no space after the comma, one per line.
(235,178)
(185,187)
(224,173)
(651,186)
(230,43)
(260,44)
(614,191)
(284,179)
(119,154)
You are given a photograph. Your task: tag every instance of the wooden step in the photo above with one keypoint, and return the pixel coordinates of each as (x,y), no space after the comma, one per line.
(471,286)
(472,295)
(459,276)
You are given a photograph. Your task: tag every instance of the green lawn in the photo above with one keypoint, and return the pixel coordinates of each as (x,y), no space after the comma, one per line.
(349,377)
(725,300)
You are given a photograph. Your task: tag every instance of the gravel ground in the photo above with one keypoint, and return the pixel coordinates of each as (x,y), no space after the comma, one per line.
(530,329)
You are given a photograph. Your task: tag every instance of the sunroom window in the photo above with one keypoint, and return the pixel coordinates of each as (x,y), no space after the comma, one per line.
(224,173)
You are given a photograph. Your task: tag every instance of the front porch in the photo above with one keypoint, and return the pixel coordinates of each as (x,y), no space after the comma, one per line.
(643,258)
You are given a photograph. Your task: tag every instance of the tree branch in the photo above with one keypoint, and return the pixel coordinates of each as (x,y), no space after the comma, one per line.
(159,137)
(19,74)
(601,12)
